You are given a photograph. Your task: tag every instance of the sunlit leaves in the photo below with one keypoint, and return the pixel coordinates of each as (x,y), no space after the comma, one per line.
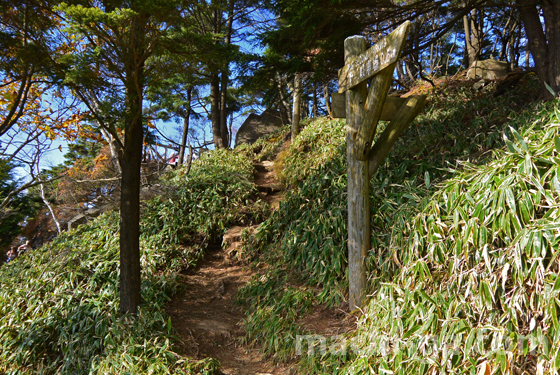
(59,309)
(44,111)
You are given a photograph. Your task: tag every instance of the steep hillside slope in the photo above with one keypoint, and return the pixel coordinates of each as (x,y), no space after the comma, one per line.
(59,303)
(464,254)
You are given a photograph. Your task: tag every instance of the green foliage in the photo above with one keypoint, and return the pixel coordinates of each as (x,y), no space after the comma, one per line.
(274,307)
(265,148)
(22,206)
(215,195)
(306,237)
(321,139)
(59,304)
(480,270)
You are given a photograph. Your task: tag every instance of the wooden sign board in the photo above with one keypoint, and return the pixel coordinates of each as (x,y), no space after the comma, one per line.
(363,106)
(381,56)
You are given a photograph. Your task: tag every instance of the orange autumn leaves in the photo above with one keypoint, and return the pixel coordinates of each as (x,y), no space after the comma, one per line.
(43,108)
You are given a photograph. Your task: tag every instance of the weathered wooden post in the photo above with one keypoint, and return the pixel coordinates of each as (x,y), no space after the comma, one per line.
(364,107)
(358,181)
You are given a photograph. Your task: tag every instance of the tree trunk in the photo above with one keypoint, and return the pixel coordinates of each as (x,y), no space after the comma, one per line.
(315,106)
(411,71)
(297,106)
(114,148)
(215,96)
(131,159)
(551,10)
(49,206)
(215,110)
(130,214)
(189,161)
(230,127)
(400,75)
(223,109)
(477,32)
(471,53)
(359,236)
(185,128)
(284,105)
(327,99)
(225,78)
(540,50)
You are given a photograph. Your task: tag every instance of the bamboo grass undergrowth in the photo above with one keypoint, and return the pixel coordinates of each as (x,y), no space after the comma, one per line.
(434,274)
(59,303)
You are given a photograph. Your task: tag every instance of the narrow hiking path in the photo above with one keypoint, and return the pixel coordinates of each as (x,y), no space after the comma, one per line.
(205,315)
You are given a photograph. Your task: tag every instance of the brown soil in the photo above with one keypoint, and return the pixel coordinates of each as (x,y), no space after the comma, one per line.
(269,188)
(208,320)
(206,317)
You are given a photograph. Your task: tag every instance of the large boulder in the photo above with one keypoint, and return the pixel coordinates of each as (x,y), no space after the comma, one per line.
(88,214)
(77,221)
(488,69)
(256,126)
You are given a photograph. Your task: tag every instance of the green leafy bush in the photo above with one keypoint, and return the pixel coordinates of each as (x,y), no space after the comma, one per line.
(306,237)
(265,148)
(59,303)
(217,193)
(479,285)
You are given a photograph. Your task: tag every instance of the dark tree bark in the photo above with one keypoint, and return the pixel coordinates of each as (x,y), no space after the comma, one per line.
(215,94)
(224,133)
(283,104)
(130,181)
(543,43)
(327,97)
(215,110)
(551,11)
(474,30)
(185,127)
(296,115)
(315,105)
(225,78)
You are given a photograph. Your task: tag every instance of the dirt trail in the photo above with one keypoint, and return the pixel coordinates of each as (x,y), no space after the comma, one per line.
(205,315)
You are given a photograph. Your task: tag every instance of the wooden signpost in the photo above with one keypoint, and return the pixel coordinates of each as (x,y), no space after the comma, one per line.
(364,107)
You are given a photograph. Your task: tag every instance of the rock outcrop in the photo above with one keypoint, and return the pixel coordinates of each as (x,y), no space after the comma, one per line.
(488,69)
(256,126)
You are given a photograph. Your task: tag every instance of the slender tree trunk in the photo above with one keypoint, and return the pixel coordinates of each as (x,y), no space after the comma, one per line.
(114,148)
(130,213)
(297,106)
(551,11)
(230,126)
(315,106)
(131,159)
(189,161)
(215,110)
(477,32)
(49,206)
(284,105)
(225,78)
(327,98)
(185,128)
(215,96)
(411,71)
(401,76)
(470,55)
(223,109)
